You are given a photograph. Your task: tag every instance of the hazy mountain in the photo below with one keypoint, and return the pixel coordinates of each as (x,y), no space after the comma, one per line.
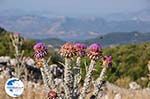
(107,39)
(116,38)
(55,42)
(42,25)
(143,15)
(120,38)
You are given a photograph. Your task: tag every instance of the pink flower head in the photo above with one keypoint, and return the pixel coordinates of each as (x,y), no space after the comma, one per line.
(107,61)
(40,50)
(68,50)
(94,51)
(52,95)
(80,49)
(17,34)
(95,48)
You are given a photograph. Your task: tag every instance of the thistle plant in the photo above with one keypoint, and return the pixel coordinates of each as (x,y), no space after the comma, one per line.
(68,51)
(40,51)
(72,74)
(94,52)
(17,41)
(107,63)
(80,52)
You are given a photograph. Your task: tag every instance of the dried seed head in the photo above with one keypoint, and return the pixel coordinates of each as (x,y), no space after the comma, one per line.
(94,51)
(40,50)
(80,49)
(52,95)
(67,50)
(16,39)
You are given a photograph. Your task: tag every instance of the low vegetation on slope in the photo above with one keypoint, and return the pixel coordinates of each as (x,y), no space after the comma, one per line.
(6,47)
(129,61)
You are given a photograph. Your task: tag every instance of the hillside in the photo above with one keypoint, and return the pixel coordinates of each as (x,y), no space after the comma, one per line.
(4,42)
(129,64)
(120,38)
(6,47)
(116,38)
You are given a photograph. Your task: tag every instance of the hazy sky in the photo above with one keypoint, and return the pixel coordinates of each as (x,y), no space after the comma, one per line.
(70,7)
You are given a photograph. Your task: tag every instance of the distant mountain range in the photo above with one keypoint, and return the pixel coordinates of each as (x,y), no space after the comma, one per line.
(108,39)
(55,42)
(41,26)
(143,15)
(120,38)
(105,40)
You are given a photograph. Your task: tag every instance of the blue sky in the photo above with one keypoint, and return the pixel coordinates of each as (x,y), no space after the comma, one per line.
(70,7)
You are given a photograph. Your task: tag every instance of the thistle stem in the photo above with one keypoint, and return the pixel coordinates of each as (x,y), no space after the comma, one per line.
(77,75)
(68,79)
(47,76)
(99,82)
(15,43)
(44,77)
(87,80)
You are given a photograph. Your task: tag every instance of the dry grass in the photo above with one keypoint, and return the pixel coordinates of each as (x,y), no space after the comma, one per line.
(34,91)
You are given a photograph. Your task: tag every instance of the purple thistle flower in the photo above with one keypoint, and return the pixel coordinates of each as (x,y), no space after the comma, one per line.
(67,50)
(17,34)
(107,60)
(40,47)
(94,51)
(80,49)
(95,48)
(40,50)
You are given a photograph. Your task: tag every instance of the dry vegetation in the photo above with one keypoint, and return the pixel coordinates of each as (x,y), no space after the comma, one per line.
(36,91)
(32,91)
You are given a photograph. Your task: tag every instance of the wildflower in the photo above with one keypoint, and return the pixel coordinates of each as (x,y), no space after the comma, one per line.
(16,34)
(80,49)
(94,51)
(107,61)
(40,50)
(67,50)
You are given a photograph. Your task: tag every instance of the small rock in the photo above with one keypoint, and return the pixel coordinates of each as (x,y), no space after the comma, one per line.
(30,61)
(118,96)
(134,86)
(13,62)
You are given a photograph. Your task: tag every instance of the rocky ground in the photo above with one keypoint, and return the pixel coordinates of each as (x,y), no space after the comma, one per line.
(37,91)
